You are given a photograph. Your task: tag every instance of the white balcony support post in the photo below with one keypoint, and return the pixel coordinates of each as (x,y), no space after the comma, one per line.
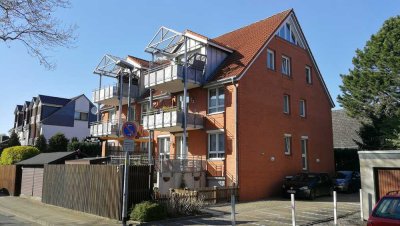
(120,103)
(98,99)
(184,148)
(129,98)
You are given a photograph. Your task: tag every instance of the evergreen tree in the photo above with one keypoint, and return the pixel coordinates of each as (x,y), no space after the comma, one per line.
(371,90)
(13,141)
(58,142)
(41,143)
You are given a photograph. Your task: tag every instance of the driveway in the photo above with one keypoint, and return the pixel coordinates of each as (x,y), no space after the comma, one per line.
(278,212)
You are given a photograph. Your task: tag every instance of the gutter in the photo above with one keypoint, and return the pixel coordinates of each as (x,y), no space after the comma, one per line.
(236,134)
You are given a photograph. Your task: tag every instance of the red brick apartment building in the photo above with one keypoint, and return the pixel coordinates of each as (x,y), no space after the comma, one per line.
(257,107)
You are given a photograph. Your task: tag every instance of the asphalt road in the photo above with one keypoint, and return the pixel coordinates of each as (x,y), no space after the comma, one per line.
(7,219)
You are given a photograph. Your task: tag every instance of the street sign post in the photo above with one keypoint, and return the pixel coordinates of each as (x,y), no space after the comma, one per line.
(129,131)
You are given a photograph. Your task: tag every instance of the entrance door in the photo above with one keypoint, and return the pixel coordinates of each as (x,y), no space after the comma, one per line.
(181,154)
(304,147)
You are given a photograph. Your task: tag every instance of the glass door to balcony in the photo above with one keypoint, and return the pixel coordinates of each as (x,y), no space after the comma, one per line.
(180,153)
(180,101)
(163,147)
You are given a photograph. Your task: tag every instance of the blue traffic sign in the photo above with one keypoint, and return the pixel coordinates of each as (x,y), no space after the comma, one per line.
(129,130)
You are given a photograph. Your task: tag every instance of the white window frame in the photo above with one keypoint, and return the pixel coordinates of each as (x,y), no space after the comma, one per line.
(218,108)
(303,108)
(218,152)
(288,144)
(286,103)
(272,66)
(166,153)
(286,70)
(181,154)
(308,75)
(304,152)
(141,111)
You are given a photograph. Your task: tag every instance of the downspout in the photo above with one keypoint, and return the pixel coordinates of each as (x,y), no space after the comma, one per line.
(236,134)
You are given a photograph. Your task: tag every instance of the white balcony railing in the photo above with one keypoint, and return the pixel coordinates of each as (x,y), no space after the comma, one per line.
(169,78)
(104,128)
(171,120)
(109,95)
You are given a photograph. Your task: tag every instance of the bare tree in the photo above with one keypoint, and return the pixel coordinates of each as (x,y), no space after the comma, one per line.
(32,23)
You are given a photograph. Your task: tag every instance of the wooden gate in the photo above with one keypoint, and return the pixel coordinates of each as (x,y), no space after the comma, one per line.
(32,182)
(10,179)
(386,180)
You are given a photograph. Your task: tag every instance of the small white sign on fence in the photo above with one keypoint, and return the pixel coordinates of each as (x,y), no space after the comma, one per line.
(128,145)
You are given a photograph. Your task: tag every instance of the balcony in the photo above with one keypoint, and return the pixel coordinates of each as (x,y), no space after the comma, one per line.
(109,95)
(171,120)
(104,129)
(169,78)
(179,164)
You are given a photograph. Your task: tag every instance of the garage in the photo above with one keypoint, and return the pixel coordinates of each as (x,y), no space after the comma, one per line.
(33,168)
(380,173)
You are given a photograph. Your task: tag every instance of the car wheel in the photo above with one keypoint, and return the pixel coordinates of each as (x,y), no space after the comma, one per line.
(312,194)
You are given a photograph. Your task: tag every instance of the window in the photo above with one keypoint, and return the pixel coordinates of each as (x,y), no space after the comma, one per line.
(163,147)
(286,104)
(308,75)
(216,145)
(302,108)
(388,208)
(288,144)
(180,101)
(270,59)
(81,116)
(181,153)
(132,114)
(216,100)
(286,65)
(304,141)
(145,107)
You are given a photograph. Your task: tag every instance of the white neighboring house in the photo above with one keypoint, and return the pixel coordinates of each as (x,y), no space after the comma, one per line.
(47,115)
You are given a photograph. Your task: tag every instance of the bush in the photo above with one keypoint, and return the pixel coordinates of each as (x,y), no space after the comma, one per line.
(89,149)
(16,154)
(58,142)
(148,211)
(41,143)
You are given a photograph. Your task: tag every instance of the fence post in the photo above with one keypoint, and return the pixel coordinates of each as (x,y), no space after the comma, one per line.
(361,205)
(215,194)
(233,211)
(334,208)
(293,210)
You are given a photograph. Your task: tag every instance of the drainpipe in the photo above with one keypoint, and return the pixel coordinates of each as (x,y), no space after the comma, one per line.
(121,81)
(236,135)
(184,124)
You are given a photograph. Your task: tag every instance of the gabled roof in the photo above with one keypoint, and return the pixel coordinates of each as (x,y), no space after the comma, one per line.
(26,105)
(247,42)
(18,108)
(47,158)
(53,100)
(345,130)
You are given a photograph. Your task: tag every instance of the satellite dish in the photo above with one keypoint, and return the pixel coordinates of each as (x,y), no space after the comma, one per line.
(93,110)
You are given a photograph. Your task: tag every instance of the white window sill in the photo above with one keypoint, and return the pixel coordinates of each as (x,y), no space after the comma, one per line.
(216,113)
(216,159)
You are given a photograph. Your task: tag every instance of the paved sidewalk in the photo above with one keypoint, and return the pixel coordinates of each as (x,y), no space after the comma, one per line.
(40,213)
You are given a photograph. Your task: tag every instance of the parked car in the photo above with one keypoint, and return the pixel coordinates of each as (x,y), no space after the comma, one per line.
(347,181)
(387,211)
(308,185)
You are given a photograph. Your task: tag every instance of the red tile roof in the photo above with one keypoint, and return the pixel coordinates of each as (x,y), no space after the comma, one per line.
(141,62)
(247,42)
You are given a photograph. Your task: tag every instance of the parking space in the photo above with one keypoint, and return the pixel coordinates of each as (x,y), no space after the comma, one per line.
(278,212)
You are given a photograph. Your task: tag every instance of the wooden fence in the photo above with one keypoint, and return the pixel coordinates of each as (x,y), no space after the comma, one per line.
(10,179)
(95,189)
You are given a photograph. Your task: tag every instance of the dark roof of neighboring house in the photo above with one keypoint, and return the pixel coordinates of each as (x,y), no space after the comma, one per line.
(345,130)
(47,158)
(53,100)
(247,42)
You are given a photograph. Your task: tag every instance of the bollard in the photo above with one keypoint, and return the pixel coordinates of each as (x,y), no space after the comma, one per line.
(233,212)
(334,208)
(361,205)
(293,210)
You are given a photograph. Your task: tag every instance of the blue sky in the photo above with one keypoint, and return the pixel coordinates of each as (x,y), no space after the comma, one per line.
(334,30)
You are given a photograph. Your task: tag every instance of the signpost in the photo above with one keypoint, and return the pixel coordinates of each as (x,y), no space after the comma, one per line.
(129,131)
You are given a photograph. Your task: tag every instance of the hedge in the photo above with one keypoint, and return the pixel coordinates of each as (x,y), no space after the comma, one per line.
(148,211)
(16,154)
